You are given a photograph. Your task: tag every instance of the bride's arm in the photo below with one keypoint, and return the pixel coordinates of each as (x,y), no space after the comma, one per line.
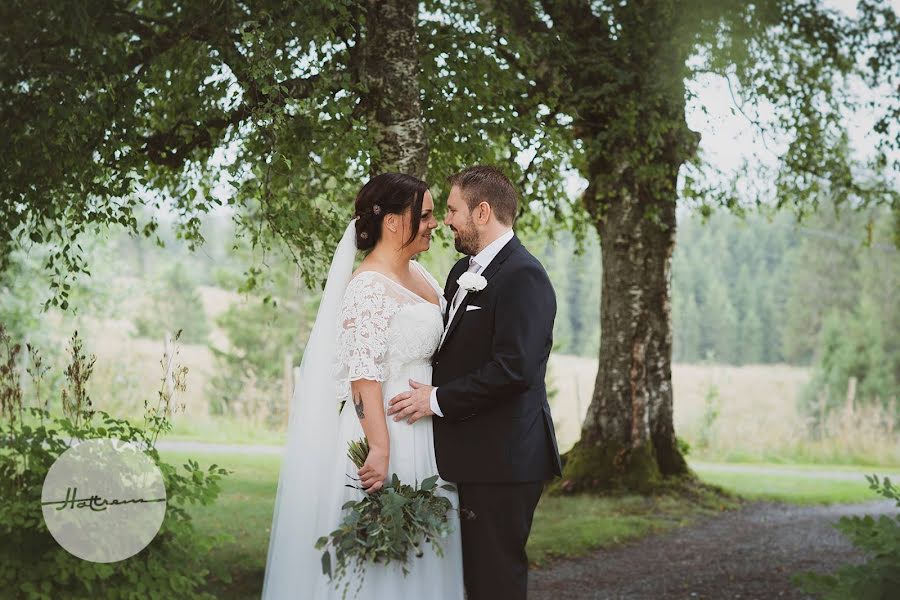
(369,405)
(362,348)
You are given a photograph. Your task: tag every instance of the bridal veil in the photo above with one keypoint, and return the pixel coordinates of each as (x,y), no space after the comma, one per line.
(306,493)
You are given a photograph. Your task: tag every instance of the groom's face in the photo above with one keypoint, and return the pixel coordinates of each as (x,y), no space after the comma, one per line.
(459,219)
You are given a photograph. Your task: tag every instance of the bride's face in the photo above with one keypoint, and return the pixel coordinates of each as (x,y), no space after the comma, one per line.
(427,224)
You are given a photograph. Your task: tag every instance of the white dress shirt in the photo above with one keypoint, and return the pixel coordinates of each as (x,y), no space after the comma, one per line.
(483,259)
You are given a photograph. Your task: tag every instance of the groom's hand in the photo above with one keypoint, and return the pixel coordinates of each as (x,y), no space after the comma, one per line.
(412,405)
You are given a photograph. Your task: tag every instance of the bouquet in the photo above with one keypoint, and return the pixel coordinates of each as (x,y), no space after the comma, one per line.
(385,526)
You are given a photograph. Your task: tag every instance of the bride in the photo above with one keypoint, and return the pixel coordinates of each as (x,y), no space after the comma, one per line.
(377,328)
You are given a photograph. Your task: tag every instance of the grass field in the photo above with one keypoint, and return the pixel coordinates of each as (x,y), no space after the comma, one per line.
(726,413)
(755,408)
(746,413)
(785,488)
(798,484)
(562,526)
(243,511)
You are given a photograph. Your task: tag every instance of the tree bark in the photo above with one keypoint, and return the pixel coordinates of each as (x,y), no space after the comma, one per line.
(628,435)
(392,100)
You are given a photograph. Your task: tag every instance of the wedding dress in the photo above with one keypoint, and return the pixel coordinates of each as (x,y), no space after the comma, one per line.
(380,330)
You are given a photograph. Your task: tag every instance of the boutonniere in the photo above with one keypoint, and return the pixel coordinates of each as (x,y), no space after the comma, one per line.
(472,282)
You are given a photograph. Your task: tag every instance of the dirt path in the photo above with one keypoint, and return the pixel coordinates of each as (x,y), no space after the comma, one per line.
(747,553)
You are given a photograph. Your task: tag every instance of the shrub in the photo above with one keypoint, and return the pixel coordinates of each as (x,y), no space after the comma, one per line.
(32,564)
(854,345)
(879,577)
(712,408)
(248,380)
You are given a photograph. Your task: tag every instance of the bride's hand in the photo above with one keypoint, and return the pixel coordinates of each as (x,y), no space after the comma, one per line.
(374,471)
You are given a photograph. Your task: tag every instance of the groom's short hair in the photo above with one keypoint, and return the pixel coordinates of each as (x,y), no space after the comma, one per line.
(483,183)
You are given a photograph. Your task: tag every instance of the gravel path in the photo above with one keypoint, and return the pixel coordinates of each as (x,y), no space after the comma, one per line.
(746,553)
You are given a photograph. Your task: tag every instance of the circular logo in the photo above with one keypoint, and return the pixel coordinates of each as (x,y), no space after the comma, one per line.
(104,500)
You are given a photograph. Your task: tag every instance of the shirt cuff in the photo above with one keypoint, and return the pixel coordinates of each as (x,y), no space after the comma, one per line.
(434,405)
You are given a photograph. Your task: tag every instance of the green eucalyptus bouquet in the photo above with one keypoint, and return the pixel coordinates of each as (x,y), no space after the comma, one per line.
(386,526)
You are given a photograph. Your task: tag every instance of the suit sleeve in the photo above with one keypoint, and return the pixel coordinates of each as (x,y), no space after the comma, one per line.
(523,335)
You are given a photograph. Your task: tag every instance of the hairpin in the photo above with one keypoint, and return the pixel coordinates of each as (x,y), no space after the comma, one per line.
(364,235)
(376,209)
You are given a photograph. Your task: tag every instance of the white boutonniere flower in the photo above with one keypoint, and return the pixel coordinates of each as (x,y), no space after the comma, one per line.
(472,282)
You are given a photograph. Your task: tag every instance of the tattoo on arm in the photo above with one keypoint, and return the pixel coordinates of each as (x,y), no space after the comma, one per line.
(358,403)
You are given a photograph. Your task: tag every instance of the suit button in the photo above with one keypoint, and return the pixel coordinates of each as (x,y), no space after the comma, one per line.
(437,362)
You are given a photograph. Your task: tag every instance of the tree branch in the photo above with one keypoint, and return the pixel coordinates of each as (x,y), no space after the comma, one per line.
(172,147)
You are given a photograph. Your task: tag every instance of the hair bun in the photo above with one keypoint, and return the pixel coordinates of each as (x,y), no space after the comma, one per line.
(387,194)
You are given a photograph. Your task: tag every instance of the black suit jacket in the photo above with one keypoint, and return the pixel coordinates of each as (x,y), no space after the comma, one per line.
(490,373)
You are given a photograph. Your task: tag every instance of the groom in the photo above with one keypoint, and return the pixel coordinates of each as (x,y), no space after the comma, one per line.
(493,433)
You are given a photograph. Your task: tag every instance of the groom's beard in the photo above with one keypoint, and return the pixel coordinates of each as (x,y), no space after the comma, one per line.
(466,241)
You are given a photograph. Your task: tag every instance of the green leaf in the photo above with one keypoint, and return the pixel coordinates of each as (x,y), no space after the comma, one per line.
(326,564)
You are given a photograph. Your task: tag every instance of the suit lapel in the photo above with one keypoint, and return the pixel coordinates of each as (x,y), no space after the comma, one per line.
(452,286)
(488,273)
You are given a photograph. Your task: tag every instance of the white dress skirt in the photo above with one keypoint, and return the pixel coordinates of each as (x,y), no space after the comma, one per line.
(389,334)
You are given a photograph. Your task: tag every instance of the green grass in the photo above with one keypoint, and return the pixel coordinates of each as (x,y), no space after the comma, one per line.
(243,511)
(573,526)
(563,526)
(867,467)
(223,431)
(803,453)
(792,489)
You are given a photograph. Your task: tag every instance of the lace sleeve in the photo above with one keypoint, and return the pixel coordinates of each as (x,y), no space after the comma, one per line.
(366,311)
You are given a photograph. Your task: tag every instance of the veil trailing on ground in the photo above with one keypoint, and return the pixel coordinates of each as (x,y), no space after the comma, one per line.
(306,497)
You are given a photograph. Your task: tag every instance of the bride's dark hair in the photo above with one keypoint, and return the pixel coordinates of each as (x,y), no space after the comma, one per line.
(388,193)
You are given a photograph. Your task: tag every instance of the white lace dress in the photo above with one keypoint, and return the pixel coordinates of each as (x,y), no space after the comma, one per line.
(389,334)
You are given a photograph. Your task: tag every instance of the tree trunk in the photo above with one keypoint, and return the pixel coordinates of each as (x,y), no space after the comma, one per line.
(392,98)
(628,435)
